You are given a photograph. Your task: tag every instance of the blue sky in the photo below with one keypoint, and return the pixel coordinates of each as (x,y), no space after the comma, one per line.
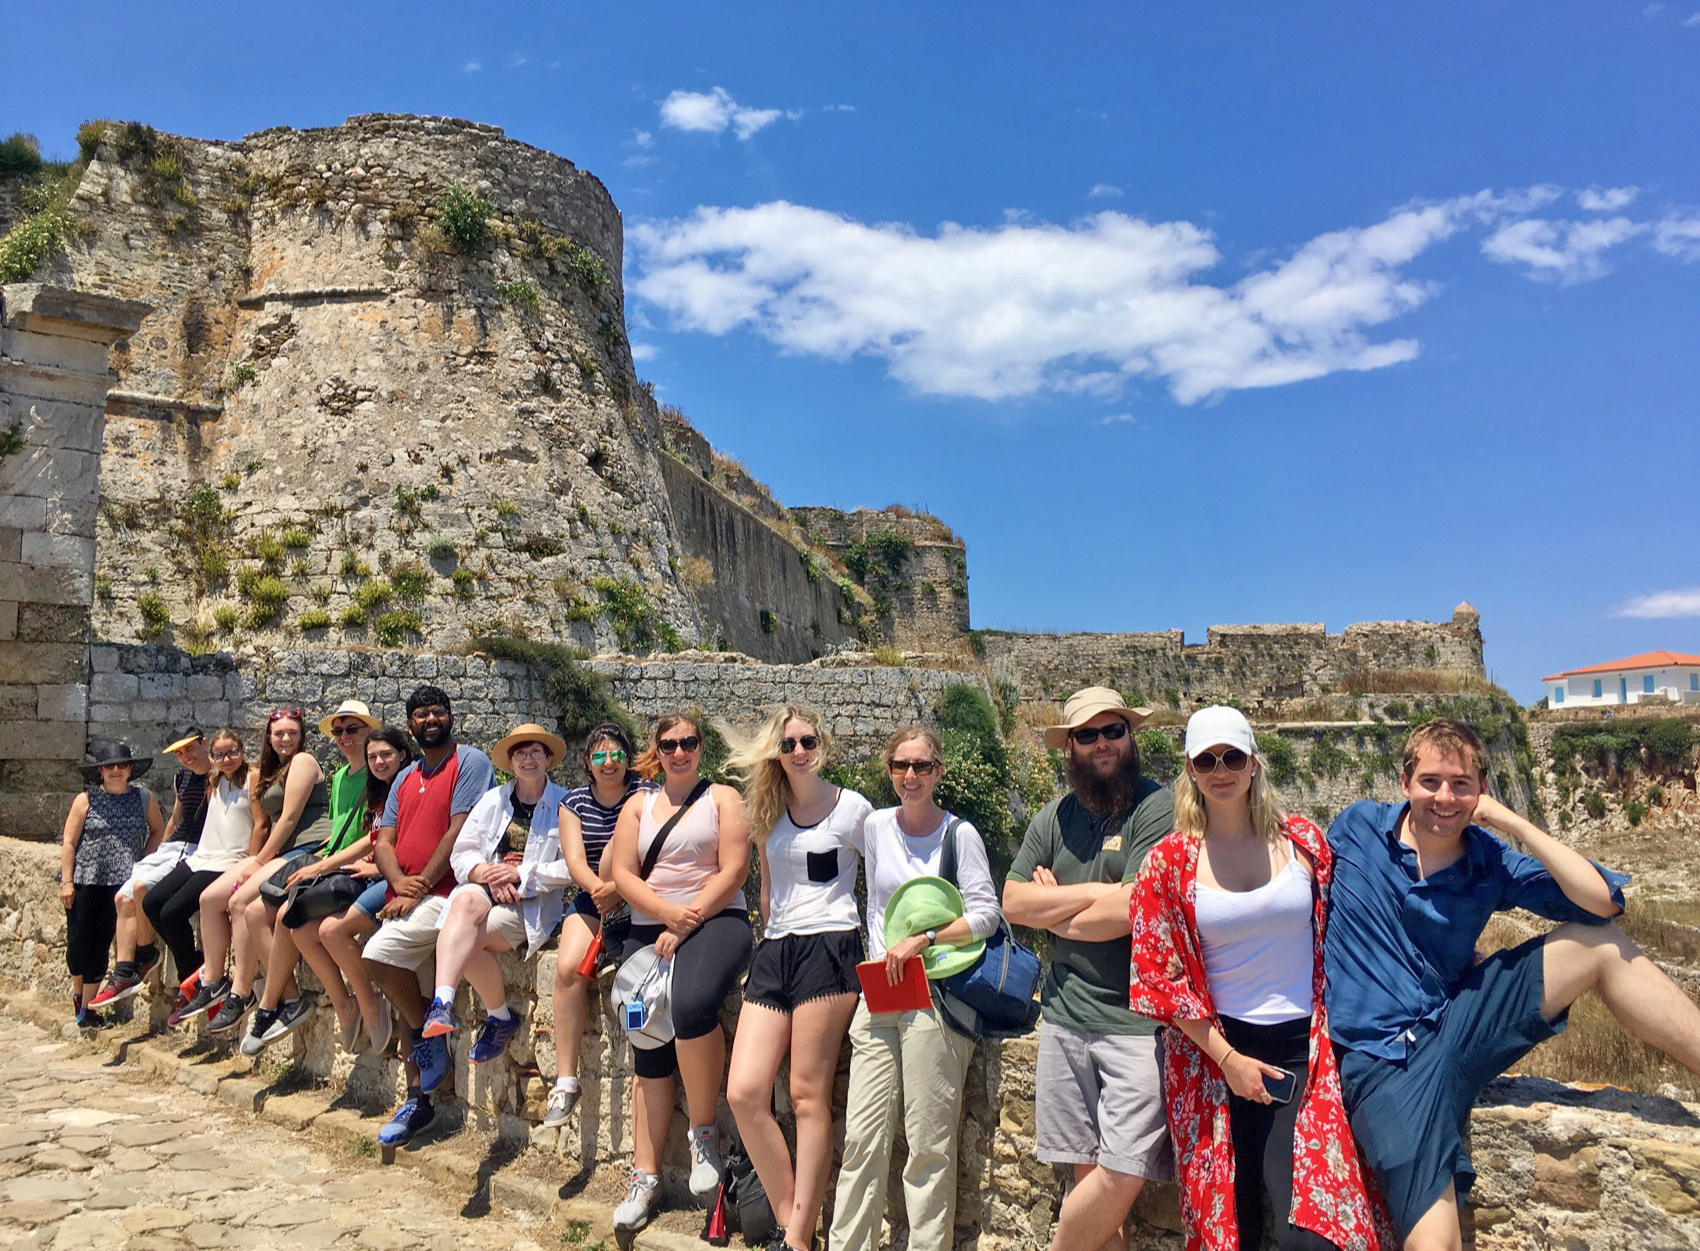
(1177,314)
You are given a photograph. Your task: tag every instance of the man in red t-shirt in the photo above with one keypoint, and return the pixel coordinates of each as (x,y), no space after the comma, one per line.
(428,804)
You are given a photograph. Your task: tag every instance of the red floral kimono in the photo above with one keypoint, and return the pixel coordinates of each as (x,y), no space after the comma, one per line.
(1168,983)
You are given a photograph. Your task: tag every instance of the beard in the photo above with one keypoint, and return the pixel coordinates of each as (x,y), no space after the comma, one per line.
(1105,795)
(435,734)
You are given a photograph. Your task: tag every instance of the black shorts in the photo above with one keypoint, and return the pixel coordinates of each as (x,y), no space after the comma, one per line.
(795,968)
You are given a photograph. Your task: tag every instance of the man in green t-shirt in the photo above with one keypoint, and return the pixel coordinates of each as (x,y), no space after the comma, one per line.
(1098,1103)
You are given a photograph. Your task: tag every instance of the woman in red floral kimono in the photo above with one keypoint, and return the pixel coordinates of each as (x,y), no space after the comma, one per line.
(1227,922)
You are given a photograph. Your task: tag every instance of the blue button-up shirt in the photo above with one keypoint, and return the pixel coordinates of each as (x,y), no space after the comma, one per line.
(1399,945)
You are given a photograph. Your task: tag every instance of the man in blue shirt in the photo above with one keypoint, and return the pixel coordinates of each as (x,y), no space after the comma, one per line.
(1421,1024)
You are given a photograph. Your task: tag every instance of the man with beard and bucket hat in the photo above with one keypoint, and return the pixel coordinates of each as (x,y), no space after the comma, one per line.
(1098,1101)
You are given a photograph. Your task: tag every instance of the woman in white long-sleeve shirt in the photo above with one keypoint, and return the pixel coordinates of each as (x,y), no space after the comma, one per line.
(909,1063)
(508,861)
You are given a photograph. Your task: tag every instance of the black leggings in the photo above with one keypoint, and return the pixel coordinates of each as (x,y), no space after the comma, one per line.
(706,967)
(171,907)
(1263,1137)
(91,922)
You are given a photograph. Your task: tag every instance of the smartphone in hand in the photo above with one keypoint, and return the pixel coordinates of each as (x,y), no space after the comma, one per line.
(1280,1088)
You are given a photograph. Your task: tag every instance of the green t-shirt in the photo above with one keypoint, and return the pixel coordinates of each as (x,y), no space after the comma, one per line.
(1085,984)
(348,808)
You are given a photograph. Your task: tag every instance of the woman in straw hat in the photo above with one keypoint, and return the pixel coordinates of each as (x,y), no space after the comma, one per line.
(110,825)
(507,859)
(1227,917)
(909,1063)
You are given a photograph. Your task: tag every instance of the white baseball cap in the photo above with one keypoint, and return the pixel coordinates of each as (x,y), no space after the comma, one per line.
(1218,724)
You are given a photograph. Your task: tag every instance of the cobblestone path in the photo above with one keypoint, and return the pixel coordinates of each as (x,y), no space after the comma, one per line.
(93,1156)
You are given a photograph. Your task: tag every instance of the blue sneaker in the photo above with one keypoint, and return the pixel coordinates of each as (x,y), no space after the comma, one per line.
(440,1020)
(432,1057)
(493,1039)
(411,1117)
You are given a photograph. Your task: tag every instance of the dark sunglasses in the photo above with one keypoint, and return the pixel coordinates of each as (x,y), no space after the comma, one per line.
(920,767)
(617,755)
(667,746)
(278,714)
(789,745)
(1232,759)
(343,731)
(1109,733)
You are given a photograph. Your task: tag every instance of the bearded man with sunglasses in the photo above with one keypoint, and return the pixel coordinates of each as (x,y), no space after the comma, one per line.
(1098,1104)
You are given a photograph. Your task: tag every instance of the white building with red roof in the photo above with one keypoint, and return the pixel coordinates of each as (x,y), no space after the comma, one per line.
(1670,676)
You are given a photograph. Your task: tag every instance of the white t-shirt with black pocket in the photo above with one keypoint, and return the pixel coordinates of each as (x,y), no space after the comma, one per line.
(811,885)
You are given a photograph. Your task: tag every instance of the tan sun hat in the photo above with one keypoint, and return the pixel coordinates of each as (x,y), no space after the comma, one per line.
(530,732)
(1083,705)
(350,708)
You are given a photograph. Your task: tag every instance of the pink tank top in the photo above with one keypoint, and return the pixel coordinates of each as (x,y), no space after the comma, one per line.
(689,858)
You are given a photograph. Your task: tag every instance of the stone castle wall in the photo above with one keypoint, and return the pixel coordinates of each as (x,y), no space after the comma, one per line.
(1259,667)
(920,599)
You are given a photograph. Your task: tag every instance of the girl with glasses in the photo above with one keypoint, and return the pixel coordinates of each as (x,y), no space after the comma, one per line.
(588,815)
(802,986)
(1227,917)
(909,1064)
(691,908)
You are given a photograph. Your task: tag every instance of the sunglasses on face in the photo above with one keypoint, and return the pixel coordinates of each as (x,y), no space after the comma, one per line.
(789,745)
(344,731)
(667,746)
(1109,733)
(615,755)
(1232,759)
(921,768)
(227,755)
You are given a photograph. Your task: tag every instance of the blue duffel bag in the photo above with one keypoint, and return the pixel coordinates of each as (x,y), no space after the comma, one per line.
(998,997)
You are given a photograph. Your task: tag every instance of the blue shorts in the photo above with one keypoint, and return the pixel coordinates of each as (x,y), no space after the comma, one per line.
(1412,1117)
(372,898)
(585,906)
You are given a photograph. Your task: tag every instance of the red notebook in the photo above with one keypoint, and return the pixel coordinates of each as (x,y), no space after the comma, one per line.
(911,992)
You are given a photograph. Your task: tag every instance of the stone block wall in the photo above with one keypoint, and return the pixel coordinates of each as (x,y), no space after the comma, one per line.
(919,603)
(53,382)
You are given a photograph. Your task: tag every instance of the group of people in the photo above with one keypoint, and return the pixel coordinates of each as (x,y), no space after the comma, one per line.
(1291,1024)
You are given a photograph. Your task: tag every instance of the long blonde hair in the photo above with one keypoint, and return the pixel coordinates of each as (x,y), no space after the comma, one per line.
(1267,817)
(754,761)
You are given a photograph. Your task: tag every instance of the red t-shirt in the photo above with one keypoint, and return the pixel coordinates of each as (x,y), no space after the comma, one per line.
(422,819)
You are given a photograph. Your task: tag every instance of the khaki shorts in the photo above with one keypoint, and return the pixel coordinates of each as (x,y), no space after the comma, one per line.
(408,942)
(1099,1100)
(503,919)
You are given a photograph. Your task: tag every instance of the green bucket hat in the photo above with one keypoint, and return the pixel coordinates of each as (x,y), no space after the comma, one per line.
(930,903)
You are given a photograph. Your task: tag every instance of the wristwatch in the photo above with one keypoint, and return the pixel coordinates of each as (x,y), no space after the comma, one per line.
(932,937)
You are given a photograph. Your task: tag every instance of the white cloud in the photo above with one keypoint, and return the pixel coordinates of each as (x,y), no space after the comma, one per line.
(1104,190)
(471,67)
(838,108)
(712,112)
(517,60)
(1560,251)
(1607,199)
(1118,419)
(1679,238)
(642,139)
(1677,603)
(644,351)
(1693,19)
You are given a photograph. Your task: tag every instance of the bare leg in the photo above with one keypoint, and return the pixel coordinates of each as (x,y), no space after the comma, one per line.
(280,965)
(144,933)
(324,967)
(401,986)
(652,1116)
(484,973)
(128,912)
(572,994)
(763,1038)
(1645,1002)
(818,1028)
(1095,1212)
(215,926)
(252,942)
(463,930)
(1439,1228)
(702,1067)
(341,939)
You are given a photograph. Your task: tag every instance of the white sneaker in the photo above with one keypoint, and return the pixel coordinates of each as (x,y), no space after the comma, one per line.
(639,1204)
(706,1164)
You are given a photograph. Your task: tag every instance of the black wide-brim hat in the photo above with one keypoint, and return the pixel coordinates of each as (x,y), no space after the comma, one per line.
(114,753)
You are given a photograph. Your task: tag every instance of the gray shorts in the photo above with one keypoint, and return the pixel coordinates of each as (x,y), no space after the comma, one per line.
(1099,1100)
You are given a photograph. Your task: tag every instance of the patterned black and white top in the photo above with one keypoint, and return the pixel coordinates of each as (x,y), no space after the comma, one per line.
(114,833)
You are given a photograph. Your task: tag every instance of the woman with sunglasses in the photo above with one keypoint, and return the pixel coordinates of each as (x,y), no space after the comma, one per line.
(802,986)
(691,908)
(111,825)
(1227,917)
(588,816)
(290,790)
(909,1063)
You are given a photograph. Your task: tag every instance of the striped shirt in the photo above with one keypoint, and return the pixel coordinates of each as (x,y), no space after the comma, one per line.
(598,822)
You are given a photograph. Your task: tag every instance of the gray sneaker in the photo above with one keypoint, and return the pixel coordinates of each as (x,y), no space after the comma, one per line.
(706,1164)
(639,1204)
(230,1013)
(561,1105)
(291,1015)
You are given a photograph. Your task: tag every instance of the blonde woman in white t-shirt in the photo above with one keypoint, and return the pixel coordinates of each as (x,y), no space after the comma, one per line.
(802,985)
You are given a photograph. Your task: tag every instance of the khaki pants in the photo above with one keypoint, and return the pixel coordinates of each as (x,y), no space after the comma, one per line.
(908,1062)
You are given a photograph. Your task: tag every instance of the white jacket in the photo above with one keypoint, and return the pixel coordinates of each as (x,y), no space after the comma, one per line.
(543,873)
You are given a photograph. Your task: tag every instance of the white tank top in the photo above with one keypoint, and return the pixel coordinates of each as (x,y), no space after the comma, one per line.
(1258,950)
(229,827)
